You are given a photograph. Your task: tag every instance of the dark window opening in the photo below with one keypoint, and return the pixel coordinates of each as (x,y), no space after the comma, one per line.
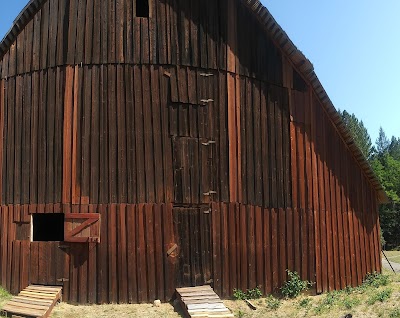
(142,8)
(48,227)
(298,83)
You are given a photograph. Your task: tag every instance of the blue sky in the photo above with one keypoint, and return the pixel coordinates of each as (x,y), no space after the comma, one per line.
(353,45)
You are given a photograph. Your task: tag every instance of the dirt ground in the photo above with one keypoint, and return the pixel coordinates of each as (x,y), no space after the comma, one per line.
(114,311)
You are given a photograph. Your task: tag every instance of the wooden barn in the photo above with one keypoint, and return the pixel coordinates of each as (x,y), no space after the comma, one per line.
(154,144)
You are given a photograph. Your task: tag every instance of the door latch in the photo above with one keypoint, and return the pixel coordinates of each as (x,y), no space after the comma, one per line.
(210,193)
(210,142)
(206,74)
(206,101)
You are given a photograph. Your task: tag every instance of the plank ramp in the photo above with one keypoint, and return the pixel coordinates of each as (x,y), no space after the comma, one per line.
(202,302)
(34,301)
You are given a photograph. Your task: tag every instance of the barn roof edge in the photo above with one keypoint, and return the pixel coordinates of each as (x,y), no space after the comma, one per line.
(307,69)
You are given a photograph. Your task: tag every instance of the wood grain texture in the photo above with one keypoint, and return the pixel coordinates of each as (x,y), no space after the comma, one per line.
(208,157)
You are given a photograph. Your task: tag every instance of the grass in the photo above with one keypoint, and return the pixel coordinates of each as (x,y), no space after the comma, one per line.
(378,297)
(4,297)
(393,256)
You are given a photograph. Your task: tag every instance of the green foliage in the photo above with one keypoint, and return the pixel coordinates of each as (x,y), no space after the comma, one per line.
(359,132)
(272,302)
(241,314)
(376,280)
(380,296)
(382,143)
(350,302)
(386,163)
(294,286)
(395,313)
(239,294)
(254,293)
(305,303)
(4,294)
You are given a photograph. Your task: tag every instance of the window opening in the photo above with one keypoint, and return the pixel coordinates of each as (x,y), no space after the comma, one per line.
(48,227)
(298,83)
(142,8)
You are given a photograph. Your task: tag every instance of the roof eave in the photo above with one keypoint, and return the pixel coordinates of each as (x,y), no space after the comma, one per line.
(307,70)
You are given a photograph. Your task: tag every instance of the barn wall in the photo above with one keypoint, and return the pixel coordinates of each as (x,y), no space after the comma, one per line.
(342,206)
(179,32)
(100,98)
(131,265)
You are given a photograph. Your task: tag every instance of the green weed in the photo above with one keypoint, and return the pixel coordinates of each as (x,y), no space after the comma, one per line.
(254,293)
(380,296)
(272,302)
(294,286)
(395,313)
(305,303)
(376,280)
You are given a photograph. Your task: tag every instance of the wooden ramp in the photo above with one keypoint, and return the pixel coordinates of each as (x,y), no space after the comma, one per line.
(202,302)
(34,301)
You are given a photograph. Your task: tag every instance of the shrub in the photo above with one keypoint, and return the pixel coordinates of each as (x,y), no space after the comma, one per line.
(239,294)
(294,286)
(254,293)
(272,302)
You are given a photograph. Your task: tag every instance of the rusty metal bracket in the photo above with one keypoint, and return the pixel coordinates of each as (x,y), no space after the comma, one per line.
(209,193)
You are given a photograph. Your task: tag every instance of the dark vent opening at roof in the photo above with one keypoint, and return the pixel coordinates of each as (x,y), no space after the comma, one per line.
(298,83)
(142,8)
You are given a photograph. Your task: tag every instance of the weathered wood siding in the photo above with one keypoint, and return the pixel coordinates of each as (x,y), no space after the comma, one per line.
(135,118)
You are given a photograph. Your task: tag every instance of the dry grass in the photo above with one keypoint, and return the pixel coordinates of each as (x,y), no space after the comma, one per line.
(114,311)
(393,256)
(334,305)
(357,302)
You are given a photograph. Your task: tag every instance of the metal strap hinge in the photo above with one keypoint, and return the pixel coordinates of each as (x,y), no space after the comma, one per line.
(62,280)
(206,101)
(210,193)
(206,74)
(210,142)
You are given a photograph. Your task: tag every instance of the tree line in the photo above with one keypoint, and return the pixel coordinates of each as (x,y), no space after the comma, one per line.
(384,158)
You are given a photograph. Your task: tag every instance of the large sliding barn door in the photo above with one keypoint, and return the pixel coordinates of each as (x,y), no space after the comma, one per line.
(193,237)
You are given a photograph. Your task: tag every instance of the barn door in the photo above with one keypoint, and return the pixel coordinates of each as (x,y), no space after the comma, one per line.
(192,227)
(193,171)
(47,263)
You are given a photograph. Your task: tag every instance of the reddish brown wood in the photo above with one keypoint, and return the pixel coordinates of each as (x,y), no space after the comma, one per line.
(124,91)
